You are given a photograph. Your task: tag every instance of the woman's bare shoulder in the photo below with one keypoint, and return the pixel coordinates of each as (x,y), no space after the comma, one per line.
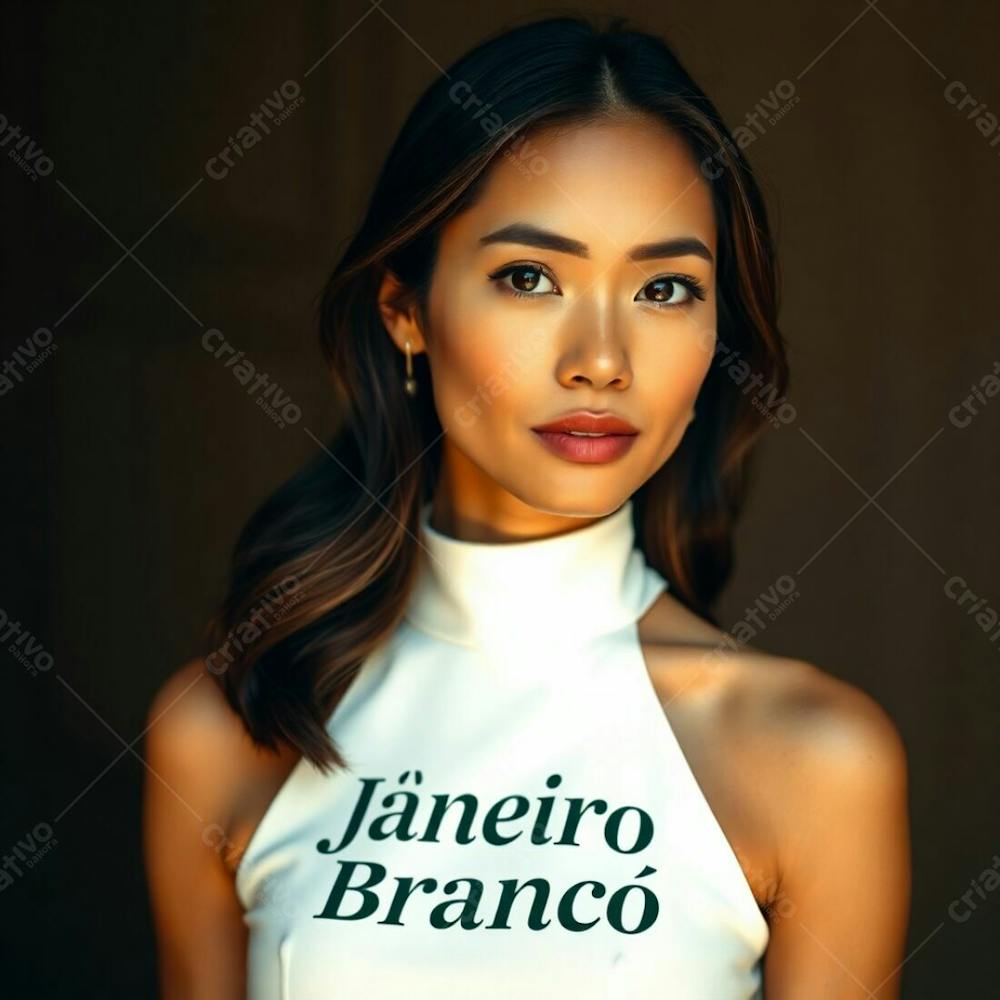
(200,747)
(197,755)
(785,710)
(193,742)
(190,717)
(825,733)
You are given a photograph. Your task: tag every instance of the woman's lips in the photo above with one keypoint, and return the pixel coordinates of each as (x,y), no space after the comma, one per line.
(582,448)
(585,436)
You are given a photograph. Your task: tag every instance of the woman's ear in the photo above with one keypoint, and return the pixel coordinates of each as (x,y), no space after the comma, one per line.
(399,314)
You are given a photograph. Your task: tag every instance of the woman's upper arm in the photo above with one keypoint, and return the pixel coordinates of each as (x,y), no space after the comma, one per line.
(191,742)
(838,929)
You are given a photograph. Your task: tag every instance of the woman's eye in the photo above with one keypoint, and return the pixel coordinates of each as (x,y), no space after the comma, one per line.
(525,279)
(673,291)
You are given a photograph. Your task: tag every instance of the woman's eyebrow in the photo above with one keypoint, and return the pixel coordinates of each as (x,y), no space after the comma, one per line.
(529,235)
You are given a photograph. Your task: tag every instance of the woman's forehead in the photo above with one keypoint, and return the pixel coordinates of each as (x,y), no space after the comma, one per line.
(608,185)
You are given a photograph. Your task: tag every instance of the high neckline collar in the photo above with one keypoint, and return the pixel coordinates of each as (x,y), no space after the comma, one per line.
(545,592)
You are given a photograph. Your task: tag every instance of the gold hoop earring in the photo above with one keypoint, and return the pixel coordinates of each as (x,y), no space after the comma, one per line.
(410,384)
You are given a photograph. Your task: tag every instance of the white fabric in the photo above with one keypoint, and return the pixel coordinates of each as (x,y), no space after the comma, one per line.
(516,662)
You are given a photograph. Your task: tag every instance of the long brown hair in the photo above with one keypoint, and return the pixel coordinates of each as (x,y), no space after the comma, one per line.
(322,572)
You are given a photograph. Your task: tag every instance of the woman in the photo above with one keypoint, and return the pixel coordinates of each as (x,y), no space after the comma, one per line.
(466,725)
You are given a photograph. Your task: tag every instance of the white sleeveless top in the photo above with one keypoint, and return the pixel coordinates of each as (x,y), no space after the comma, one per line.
(518,819)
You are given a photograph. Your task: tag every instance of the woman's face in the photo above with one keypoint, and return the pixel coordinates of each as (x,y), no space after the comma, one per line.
(541,307)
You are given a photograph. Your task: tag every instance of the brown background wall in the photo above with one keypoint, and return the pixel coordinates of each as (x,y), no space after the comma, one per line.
(132,456)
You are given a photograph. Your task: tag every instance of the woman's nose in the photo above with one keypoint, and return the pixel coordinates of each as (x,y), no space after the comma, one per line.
(596,354)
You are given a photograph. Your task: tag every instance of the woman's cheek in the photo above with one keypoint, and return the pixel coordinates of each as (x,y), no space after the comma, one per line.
(483,351)
(684,368)
(468,372)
